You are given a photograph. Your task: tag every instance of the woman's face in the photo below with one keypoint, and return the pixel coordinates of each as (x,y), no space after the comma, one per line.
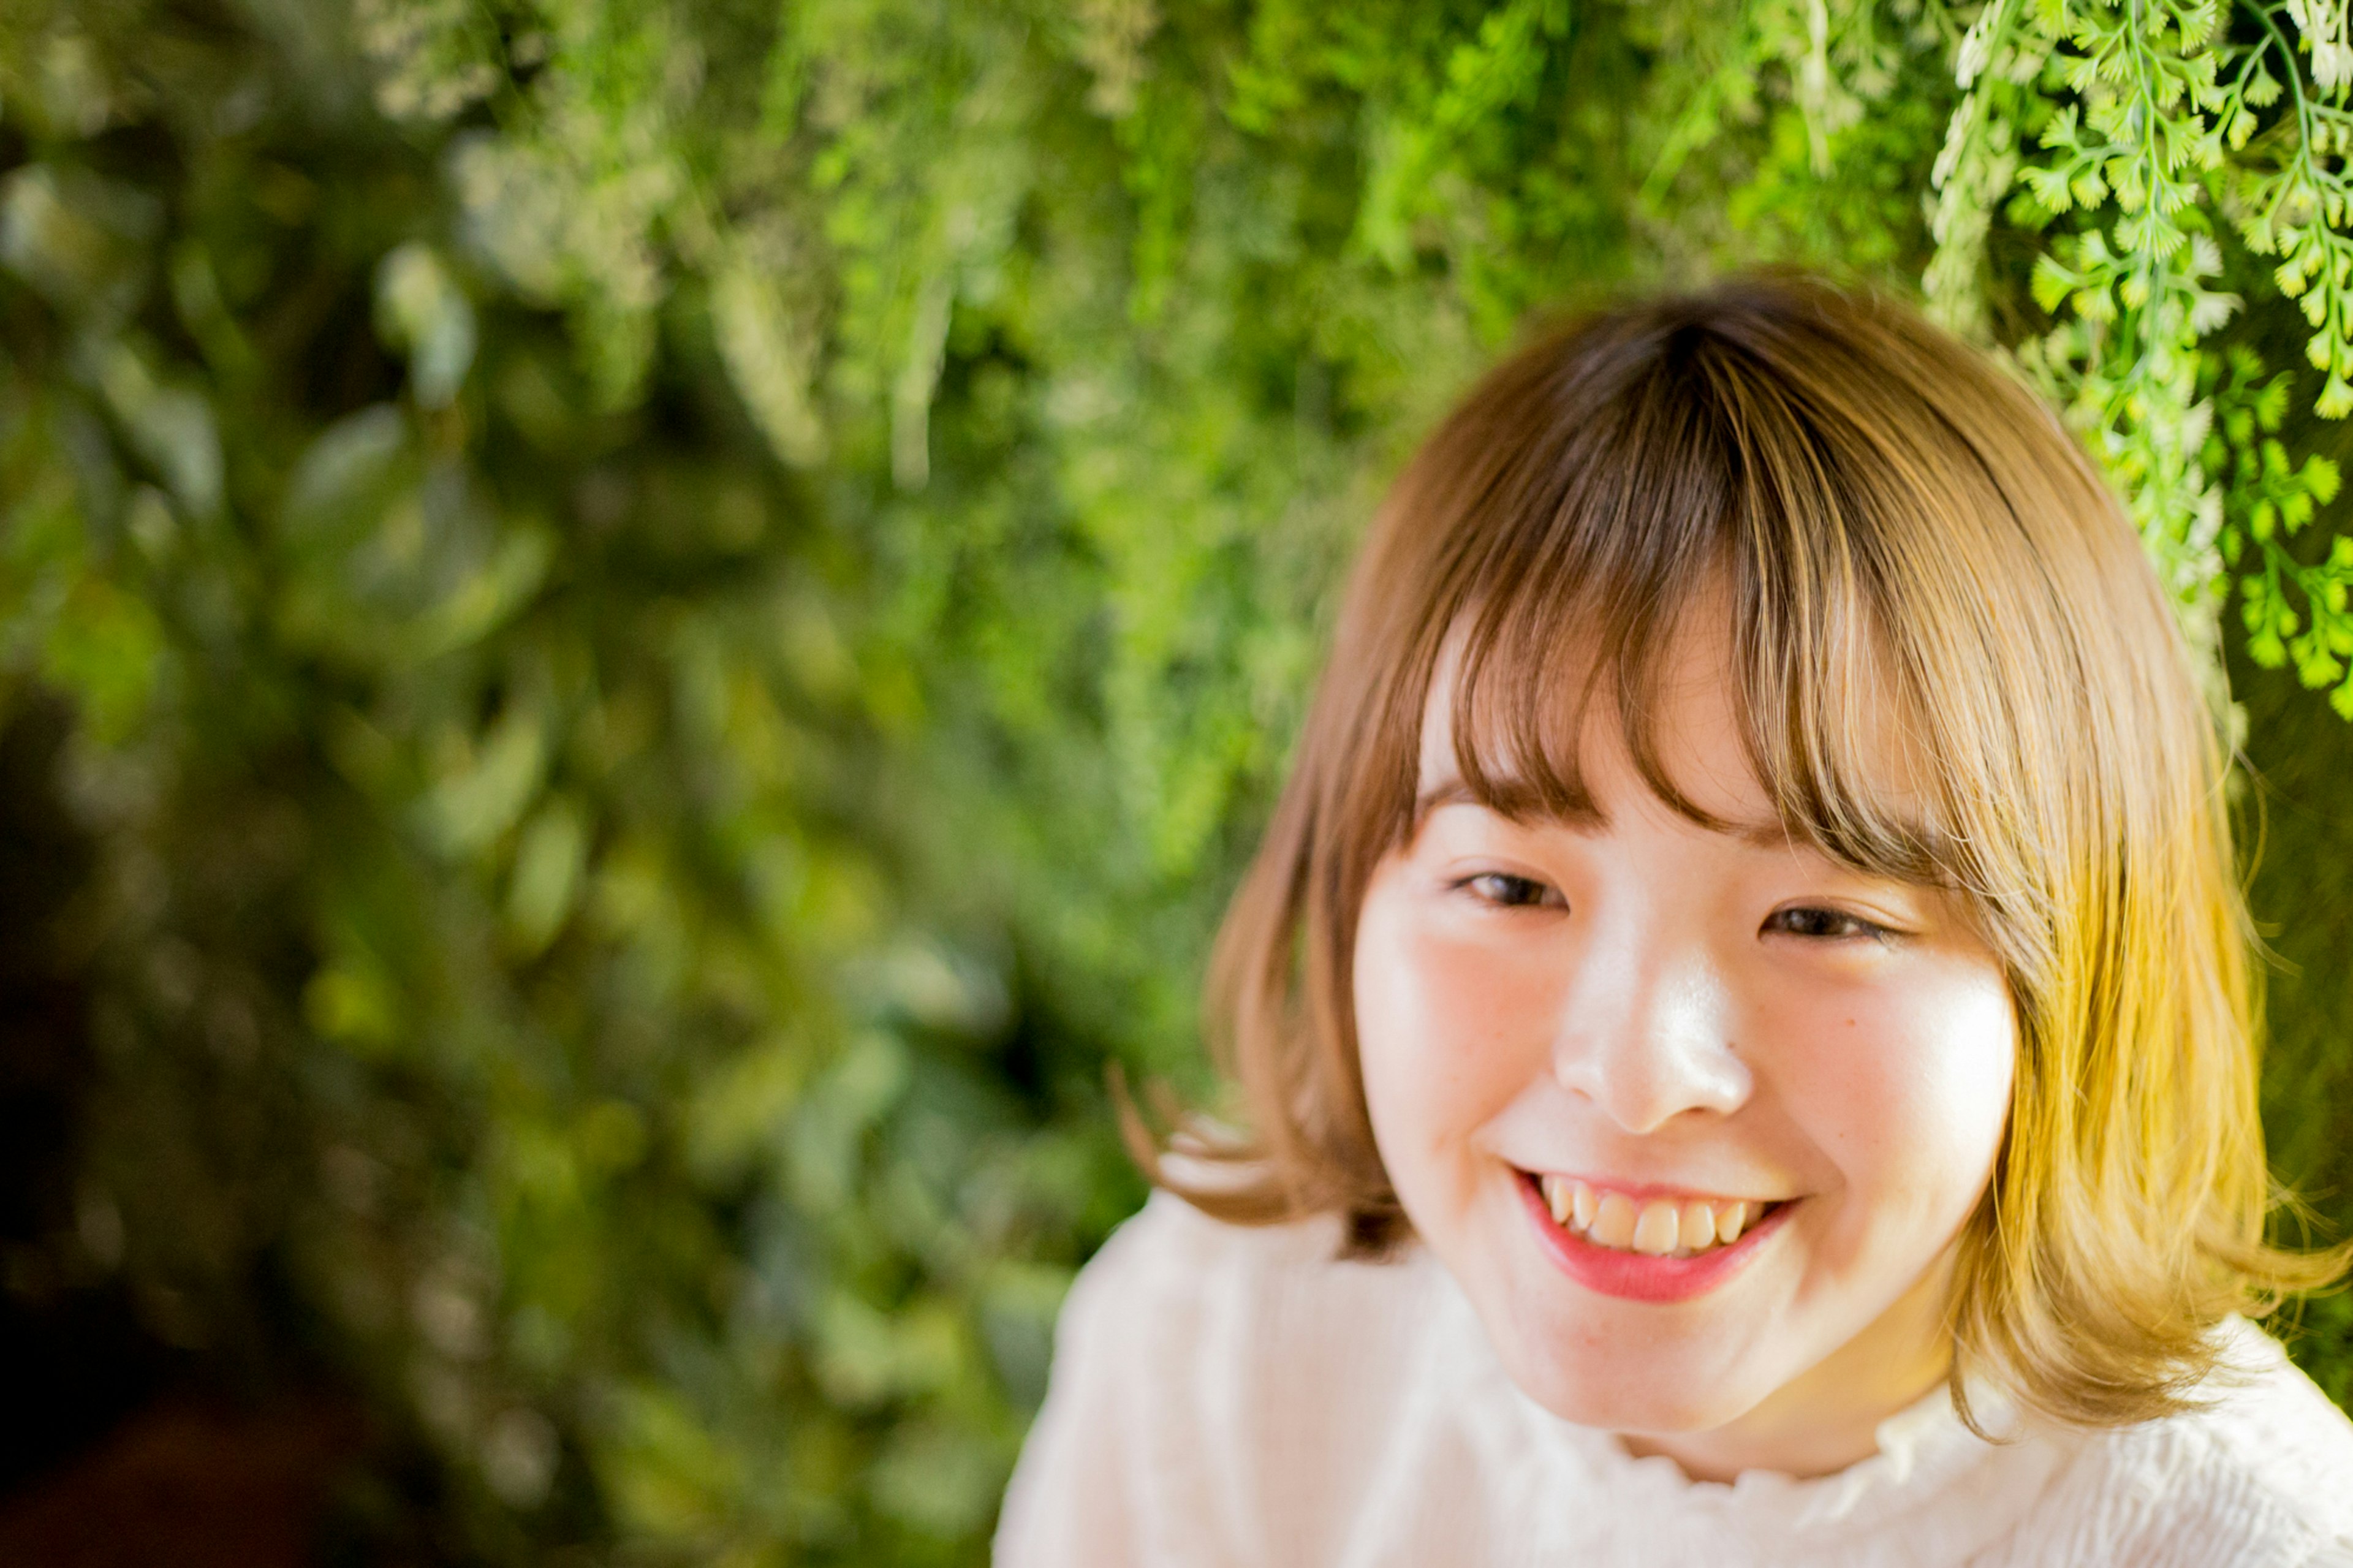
(1642,1023)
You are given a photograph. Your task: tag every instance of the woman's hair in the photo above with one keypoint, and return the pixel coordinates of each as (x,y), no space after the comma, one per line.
(1915,559)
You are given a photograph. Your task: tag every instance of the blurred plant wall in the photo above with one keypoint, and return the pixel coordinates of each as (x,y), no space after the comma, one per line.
(661,625)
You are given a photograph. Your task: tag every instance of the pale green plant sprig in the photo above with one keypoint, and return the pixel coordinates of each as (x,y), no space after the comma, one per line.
(2125,365)
(2143,133)
(2151,119)
(2270,499)
(2297,208)
(2171,114)
(1844,63)
(2145,77)
(2322,25)
(1996,63)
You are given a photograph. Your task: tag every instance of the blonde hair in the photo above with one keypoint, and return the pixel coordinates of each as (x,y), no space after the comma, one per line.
(1907,534)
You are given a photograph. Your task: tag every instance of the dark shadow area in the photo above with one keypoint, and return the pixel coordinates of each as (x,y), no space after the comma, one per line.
(118,1446)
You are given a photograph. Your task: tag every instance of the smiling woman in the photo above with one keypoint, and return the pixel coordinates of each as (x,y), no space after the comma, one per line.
(1746,980)
(1672,1027)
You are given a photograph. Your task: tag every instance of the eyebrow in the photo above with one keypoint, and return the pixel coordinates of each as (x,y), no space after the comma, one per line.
(1771,835)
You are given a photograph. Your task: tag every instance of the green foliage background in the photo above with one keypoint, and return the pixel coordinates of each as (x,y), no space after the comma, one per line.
(674,617)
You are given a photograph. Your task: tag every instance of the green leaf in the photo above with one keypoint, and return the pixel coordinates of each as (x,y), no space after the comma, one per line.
(2052,282)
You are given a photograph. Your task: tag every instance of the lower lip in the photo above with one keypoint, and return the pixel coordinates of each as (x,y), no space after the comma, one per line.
(1637,1277)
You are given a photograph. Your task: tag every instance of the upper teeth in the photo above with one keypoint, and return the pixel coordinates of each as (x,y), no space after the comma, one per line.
(1660,1227)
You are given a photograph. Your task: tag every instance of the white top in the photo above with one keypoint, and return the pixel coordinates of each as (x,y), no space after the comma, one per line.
(1224,1395)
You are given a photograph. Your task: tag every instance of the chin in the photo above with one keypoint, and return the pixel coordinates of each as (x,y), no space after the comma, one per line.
(1606,1386)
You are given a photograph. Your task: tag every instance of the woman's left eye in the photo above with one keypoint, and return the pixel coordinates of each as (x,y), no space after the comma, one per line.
(1506,890)
(1831,924)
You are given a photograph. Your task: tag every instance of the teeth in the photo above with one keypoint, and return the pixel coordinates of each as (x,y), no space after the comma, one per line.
(1555,1191)
(1656,1232)
(1656,1229)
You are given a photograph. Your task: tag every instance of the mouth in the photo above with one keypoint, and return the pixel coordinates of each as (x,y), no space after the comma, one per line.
(1650,1245)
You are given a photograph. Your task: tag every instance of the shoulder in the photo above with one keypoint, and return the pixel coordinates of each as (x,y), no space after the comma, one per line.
(1190,1276)
(2257,1474)
(1213,1384)
(1181,1308)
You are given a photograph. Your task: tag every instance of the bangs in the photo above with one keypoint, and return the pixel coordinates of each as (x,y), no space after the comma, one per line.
(1702,497)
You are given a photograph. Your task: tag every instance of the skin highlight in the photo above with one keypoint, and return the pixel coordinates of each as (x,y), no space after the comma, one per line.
(1727,1013)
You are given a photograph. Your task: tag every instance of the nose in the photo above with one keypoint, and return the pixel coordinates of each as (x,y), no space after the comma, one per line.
(1644,1033)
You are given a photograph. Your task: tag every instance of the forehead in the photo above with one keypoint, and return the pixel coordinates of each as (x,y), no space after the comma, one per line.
(1588,736)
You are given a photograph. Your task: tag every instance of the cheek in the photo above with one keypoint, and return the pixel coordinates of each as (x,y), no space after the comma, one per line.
(1446,1032)
(1907,1093)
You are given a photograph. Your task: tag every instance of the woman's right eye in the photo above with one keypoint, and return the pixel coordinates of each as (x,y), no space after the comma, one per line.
(1507,891)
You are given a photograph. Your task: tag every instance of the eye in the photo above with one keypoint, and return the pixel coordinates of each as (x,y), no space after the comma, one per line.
(1823,924)
(1507,891)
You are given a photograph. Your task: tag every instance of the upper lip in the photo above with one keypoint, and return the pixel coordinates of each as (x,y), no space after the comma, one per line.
(1644,1191)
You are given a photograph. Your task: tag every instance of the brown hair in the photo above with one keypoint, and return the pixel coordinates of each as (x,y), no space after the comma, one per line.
(1905,533)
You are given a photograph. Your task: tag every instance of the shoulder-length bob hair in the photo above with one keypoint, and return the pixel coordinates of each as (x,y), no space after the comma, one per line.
(1905,533)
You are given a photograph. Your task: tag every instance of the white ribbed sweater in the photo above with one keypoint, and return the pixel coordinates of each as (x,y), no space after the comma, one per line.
(1230,1396)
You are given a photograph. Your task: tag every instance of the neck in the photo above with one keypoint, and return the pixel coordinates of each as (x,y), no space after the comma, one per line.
(1827,1419)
